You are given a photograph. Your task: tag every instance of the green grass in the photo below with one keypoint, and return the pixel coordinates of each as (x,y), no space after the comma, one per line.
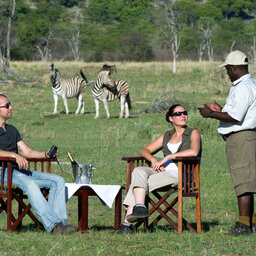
(103,142)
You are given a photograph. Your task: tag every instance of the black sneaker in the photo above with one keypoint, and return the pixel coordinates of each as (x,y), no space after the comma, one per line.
(239,229)
(124,229)
(138,213)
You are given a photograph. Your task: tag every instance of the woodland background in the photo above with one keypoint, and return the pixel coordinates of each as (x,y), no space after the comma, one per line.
(125,30)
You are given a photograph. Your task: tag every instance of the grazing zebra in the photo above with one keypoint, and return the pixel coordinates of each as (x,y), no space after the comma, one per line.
(67,88)
(106,90)
(110,68)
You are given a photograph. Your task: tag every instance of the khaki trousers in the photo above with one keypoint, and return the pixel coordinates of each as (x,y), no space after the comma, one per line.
(241,156)
(145,177)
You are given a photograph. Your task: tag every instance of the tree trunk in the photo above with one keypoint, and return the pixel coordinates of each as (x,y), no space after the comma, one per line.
(74,45)
(45,47)
(7,60)
(233,44)
(254,50)
(202,49)
(174,62)
(210,49)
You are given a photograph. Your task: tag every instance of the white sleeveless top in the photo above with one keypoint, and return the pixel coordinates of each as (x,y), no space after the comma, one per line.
(170,166)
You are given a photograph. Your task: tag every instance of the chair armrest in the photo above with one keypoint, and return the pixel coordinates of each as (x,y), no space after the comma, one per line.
(133,158)
(187,158)
(45,164)
(6,162)
(183,162)
(7,159)
(132,162)
(188,173)
(44,159)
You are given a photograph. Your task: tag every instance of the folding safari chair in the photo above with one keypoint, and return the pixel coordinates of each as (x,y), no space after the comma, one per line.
(188,186)
(9,192)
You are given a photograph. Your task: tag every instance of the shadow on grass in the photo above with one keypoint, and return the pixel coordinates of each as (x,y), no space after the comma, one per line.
(51,115)
(206,226)
(26,228)
(117,117)
(101,228)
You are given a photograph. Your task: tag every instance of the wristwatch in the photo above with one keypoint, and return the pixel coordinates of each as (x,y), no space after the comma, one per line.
(211,114)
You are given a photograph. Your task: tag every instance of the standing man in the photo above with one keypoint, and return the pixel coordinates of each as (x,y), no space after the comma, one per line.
(52,213)
(237,127)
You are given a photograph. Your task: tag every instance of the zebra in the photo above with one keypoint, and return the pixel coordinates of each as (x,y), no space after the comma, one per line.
(67,88)
(106,90)
(110,68)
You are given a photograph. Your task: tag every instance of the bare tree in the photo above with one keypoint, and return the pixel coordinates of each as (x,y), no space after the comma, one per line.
(6,45)
(251,33)
(206,27)
(202,49)
(253,55)
(254,50)
(74,41)
(74,44)
(232,46)
(171,26)
(44,47)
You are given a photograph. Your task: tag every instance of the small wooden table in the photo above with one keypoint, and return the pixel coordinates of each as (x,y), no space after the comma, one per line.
(83,194)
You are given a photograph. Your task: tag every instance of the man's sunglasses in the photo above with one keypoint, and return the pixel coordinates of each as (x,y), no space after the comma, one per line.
(7,105)
(180,113)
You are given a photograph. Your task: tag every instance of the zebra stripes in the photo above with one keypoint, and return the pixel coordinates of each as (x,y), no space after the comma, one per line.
(67,88)
(106,90)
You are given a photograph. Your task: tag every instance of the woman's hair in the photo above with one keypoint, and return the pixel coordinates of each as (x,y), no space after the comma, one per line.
(171,111)
(2,95)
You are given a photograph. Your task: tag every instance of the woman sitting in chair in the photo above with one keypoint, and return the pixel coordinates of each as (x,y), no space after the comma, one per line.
(181,141)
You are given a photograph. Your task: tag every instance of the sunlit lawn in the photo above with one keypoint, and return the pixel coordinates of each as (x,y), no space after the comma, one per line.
(104,142)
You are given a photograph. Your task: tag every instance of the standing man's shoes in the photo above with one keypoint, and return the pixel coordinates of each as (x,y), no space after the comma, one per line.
(239,229)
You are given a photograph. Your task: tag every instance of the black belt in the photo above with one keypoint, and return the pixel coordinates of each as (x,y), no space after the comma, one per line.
(225,136)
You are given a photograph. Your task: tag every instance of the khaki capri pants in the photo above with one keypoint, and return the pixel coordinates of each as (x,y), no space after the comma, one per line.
(145,177)
(241,156)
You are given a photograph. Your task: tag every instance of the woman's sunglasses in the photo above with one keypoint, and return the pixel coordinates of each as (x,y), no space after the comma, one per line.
(180,113)
(7,105)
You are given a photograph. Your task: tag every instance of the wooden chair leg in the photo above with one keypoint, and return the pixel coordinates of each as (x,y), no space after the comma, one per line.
(146,220)
(198,214)
(118,209)
(180,197)
(9,214)
(180,211)
(19,227)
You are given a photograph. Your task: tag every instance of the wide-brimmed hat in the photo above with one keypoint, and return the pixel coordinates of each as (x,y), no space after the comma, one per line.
(235,58)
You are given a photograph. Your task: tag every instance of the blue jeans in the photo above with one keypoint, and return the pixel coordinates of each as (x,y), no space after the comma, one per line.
(49,212)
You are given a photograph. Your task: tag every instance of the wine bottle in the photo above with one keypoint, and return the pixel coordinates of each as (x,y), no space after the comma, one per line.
(73,162)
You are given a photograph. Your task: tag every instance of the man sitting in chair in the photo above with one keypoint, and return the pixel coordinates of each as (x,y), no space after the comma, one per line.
(52,213)
(181,141)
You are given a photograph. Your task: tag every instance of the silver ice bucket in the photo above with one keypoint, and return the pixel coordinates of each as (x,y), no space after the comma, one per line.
(83,173)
